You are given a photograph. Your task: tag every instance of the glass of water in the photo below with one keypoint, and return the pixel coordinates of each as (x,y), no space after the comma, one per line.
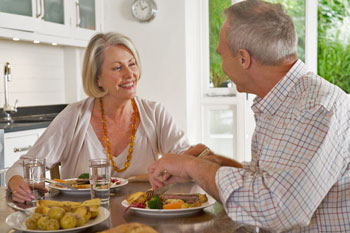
(34,175)
(100,179)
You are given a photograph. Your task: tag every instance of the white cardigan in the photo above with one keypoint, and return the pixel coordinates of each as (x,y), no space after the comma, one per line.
(71,140)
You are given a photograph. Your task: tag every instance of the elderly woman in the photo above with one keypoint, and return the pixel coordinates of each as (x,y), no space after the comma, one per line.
(112,122)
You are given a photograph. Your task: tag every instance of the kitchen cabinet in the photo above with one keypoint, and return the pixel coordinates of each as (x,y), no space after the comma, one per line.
(87,18)
(65,22)
(18,143)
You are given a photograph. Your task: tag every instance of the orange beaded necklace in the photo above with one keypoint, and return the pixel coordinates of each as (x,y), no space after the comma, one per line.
(132,137)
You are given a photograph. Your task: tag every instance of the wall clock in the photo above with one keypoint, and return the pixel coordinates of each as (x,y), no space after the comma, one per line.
(144,10)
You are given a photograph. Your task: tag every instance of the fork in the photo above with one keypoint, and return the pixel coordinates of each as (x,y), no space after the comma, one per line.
(150,192)
(13,205)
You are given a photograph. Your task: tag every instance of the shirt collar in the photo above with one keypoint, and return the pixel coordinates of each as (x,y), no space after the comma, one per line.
(276,96)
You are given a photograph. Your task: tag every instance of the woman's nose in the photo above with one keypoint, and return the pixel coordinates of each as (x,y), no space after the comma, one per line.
(128,72)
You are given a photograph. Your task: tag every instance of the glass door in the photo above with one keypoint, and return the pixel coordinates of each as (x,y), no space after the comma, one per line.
(19,14)
(219,129)
(18,7)
(54,15)
(87,17)
(54,11)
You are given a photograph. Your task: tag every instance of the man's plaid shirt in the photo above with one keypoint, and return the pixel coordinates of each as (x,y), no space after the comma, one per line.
(299,176)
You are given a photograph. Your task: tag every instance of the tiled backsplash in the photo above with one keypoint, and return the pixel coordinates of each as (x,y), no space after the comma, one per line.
(37,73)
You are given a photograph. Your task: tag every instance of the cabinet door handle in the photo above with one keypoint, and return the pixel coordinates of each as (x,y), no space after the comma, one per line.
(38,8)
(42,9)
(77,10)
(21,149)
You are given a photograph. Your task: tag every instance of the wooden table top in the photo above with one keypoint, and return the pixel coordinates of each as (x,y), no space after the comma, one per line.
(211,219)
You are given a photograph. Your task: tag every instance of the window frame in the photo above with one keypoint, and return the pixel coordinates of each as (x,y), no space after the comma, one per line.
(201,95)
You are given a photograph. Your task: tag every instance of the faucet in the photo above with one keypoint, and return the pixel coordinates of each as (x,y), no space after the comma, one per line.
(8,110)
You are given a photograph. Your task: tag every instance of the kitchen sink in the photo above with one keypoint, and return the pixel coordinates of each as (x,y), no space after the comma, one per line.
(30,118)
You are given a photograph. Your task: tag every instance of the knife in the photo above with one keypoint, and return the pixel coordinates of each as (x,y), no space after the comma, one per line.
(60,184)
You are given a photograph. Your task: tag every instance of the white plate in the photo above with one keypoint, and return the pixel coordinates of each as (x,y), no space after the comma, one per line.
(87,191)
(170,213)
(17,221)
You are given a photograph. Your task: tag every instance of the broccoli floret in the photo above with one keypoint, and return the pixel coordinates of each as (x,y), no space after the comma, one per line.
(154,203)
(84,176)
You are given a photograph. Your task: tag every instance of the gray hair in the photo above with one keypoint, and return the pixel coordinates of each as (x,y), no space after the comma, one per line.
(93,59)
(263,29)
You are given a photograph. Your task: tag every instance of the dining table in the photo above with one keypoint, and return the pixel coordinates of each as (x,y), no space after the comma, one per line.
(208,220)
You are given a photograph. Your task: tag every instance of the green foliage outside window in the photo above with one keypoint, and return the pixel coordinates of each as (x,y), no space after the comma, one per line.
(296,9)
(216,8)
(334,42)
(333,38)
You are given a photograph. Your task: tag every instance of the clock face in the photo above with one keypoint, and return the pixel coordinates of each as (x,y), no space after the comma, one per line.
(144,10)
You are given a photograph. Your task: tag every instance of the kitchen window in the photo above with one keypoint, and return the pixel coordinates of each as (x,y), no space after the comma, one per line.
(222,107)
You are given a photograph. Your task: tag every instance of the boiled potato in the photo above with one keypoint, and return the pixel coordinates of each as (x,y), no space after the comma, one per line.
(31,223)
(36,216)
(80,221)
(68,220)
(42,210)
(56,212)
(83,211)
(94,210)
(53,224)
(43,222)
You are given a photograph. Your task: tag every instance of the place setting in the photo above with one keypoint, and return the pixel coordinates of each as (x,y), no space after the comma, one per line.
(46,215)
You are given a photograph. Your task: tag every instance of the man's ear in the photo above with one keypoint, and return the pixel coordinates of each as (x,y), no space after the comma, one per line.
(244,58)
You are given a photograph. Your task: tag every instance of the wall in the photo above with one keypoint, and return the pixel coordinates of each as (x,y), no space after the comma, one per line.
(44,74)
(161,44)
(37,73)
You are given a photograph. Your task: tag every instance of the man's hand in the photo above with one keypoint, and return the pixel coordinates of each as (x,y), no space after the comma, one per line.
(171,168)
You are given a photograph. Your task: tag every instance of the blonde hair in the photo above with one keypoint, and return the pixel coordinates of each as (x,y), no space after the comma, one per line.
(93,59)
(263,29)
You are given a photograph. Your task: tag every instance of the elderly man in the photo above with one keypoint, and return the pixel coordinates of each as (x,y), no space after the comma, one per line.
(299,176)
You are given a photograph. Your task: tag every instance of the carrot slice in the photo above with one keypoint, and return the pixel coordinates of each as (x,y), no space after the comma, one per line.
(174,205)
(58,180)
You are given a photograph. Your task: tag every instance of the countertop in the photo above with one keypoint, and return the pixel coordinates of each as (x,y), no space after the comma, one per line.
(44,110)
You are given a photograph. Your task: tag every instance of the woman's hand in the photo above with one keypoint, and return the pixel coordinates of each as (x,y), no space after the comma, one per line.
(20,190)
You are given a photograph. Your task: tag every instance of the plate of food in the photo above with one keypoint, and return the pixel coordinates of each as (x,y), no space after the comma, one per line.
(82,185)
(167,205)
(59,216)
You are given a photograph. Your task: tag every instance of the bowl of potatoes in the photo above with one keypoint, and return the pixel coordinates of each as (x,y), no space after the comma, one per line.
(59,216)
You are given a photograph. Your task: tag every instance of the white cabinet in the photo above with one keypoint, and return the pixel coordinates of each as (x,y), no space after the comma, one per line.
(87,18)
(228,124)
(66,22)
(18,143)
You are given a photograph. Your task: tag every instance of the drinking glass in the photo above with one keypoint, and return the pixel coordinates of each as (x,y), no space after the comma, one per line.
(100,179)
(34,175)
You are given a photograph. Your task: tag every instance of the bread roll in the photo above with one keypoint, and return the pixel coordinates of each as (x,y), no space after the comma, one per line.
(133,227)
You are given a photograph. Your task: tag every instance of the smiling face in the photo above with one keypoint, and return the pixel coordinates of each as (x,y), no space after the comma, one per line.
(119,72)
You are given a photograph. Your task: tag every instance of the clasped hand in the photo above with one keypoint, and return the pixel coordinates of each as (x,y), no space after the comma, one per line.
(171,168)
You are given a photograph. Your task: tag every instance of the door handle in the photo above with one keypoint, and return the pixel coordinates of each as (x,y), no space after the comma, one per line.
(77,11)
(21,149)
